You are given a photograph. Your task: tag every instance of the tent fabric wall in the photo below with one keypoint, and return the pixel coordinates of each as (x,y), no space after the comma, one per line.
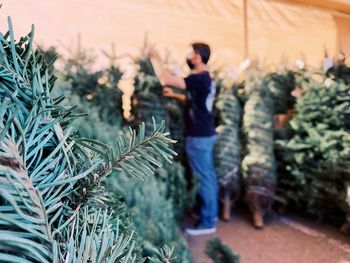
(277,29)
(341,6)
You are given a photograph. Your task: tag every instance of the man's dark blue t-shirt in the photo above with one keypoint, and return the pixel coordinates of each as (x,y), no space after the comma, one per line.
(200,94)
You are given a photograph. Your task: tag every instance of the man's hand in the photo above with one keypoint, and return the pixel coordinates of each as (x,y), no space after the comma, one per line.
(165,77)
(153,53)
(168,92)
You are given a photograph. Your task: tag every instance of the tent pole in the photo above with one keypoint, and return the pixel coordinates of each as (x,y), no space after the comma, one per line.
(245,24)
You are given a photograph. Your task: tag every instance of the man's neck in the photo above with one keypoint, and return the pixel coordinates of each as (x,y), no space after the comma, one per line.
(200,68)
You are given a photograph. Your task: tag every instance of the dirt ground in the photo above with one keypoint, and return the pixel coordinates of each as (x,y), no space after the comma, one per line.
(286,239)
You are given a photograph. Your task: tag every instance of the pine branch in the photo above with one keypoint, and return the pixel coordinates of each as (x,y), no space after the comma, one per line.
(93,238)
(41,165)
(137,157)
(219,252)
(163,255)
(25,232)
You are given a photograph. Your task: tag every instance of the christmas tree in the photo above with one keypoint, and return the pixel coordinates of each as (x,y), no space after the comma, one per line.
(258,165)
(280,86)
(318,152)
(147,99)
(97,89)
(227,151)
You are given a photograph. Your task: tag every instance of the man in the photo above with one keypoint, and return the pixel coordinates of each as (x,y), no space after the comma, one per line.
(200,129)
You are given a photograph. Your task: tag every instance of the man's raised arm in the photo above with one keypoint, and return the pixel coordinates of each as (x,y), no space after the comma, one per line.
(165,77)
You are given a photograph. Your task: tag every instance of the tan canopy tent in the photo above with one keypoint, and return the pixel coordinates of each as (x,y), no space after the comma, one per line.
(275,29)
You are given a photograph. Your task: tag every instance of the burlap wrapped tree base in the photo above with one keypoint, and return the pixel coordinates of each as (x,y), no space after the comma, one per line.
(229,192)
(345,228)
(259,199)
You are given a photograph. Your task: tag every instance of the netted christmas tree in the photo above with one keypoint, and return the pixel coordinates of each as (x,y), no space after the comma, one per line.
(258,165)
(147,99)
(54,206)
(281,86)
(227,151)
(318,152)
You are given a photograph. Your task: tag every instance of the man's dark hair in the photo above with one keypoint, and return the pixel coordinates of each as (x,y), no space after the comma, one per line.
(203,50)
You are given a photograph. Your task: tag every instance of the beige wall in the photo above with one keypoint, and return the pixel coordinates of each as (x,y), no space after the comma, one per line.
(276,29)
(343,36)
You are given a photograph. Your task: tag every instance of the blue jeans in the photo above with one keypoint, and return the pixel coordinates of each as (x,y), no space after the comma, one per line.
(200,156)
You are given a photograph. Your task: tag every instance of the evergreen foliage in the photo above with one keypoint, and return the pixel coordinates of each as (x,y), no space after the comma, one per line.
(53,202)
(318,152)
(219,252)
(280,86)
(94,87)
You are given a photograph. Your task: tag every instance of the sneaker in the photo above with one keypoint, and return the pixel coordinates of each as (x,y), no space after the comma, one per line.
(200,230)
